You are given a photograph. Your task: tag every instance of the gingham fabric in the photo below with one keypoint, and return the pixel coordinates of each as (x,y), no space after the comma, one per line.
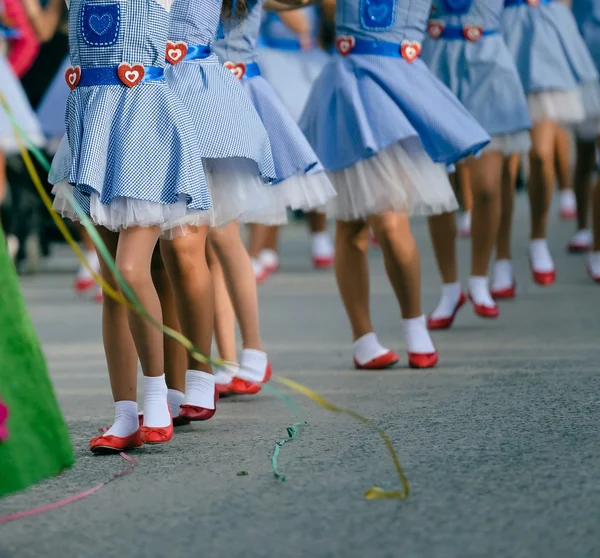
(138,142)
(226,122)
(240,35)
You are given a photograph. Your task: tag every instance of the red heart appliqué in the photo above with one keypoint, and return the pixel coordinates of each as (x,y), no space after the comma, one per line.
(533,3)
(130,74)
(410,50)
(435,29)
(72,76)
(345,44)
(238,70)
(175,52)
(472,33)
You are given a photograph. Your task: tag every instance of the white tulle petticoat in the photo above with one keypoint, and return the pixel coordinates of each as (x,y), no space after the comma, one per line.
(401,177)
(564,107)
(589,130)
(507,144)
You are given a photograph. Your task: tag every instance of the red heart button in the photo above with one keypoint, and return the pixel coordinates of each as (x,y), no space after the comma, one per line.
(435,29)
(345,44)
(130,74)
(175,52)
(533,3)
(410,50)
(72,76)
(472,33)
(238,70)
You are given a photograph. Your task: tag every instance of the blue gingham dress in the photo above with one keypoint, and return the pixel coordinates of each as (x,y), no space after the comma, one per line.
(301,182)
(289,66)
(481,73)
(131,156)
(233,142)
(380,123)
(554,64)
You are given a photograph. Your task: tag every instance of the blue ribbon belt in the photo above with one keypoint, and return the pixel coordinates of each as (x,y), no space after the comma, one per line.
(197,52)
(455,32)
(282,44)
(508,3)
(252,70)
(378,48)
(107,75)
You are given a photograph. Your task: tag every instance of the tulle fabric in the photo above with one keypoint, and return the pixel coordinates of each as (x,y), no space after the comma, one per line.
(519,142)
(401,178)
(564,107)
(589,129)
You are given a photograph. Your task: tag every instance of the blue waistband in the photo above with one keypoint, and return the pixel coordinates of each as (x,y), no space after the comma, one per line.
(107,75)
(252,70)
(197,52)
(281,44)
(508,3)
(455,32)
(378,48)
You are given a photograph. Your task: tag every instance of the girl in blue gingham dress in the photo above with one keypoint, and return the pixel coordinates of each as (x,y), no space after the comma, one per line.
(131,160)
(384,127)
(301,182)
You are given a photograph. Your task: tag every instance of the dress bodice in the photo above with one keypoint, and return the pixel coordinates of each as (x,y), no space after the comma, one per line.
(240,35)
(195,21)
(484,13)
(108,32)
(273,28)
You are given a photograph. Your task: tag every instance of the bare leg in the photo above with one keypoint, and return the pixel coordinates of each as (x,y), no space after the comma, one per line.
(596,216)
(463,178)
(224,315)
(317,222)
(175,353)
(237,269)
(584,169)
(271,239)
(352,273)
(563,159)
(258,239)
(509,181)
(442,229)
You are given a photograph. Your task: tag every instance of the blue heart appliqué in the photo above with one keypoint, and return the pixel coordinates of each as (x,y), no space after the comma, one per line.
(100,24)
(378,13)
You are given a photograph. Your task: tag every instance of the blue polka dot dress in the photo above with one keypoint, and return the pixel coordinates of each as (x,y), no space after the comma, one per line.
(464,48)
(130,155)
(301,182)
(288,62)
(384,127)
(552,59)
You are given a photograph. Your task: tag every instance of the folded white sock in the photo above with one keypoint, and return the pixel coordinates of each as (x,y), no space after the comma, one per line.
(253,365)
(322,247)
(156,408)
(225,373)
(479,289)
(257,266)
(268,259)
(567,200)
(367,348)
(175,399)
(199,389)
(126,419)
(448,301)
(92,260)
(594,263)
(465,222)
(582,238)
(541,260)
(503,275)
(417,336)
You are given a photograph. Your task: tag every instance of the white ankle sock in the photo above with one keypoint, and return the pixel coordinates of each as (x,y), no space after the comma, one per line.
(541,260)
(199,389)
(156,408)
(253,365)
(448,301)
(465,222)
(269,259)
(175,399)
(322,247)
(503,275)
(582,238)
(224,374)
(594,263)
(417,336)
(567,200)
(368,347)
(479,289)
(257,266)
(92,260)
(126,419)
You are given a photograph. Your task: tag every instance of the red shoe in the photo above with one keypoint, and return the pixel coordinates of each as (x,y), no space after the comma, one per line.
(579,245)
(177,421)
(83,284)
(544,278)
(262,276)
(156,435)
(116,444)
(422,360)
(197,414)
(246,387)
(505,294)
(223,389)
(379,363)
(485,311)
(568,214)
(322,262)
(445,323)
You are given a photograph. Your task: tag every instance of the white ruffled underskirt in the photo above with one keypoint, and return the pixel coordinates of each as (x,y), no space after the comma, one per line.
(507,144)
(564,107)
(401,178)
(237,193)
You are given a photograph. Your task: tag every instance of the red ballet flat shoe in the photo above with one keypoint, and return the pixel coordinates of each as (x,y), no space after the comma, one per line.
(272,268)
(177,421)
(322,262)
(198,414)
(384,361)
(116,444)
(445,323)
(568,214)
(485,311)
(239,386)
(156,435)
(422,360)
(575,247)
(544,278)
(505,294)
(83,285)
(223,389)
